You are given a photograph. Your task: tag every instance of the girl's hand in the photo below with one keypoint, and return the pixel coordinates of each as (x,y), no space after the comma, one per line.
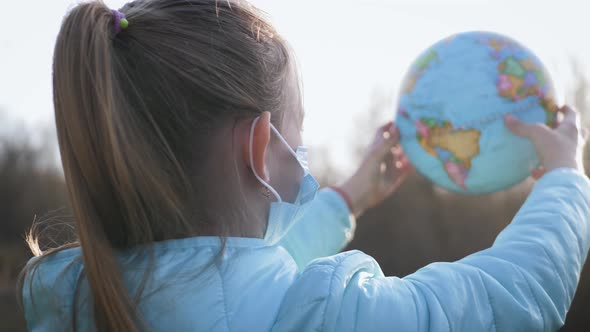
(556,148)
(382,171)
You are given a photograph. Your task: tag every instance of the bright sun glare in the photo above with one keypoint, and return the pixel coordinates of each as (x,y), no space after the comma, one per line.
(348,52)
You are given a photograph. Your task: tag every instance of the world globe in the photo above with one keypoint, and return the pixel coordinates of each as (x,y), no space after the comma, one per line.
(452,105)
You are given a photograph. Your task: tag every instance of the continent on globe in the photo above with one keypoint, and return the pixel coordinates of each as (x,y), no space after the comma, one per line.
(454,147)
(497,44)
(521,78)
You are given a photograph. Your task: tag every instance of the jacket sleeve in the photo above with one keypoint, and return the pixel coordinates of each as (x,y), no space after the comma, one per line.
(327,227)
(524,282)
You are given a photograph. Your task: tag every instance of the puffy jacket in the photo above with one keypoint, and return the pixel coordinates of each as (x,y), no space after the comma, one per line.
(524,282)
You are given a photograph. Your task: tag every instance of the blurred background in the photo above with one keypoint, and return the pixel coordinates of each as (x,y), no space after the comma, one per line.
(352,56)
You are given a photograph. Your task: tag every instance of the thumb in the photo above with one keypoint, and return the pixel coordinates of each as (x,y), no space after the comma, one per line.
(516,126)
(519,128)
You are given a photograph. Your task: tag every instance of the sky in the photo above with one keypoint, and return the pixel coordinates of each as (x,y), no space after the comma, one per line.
(348,51)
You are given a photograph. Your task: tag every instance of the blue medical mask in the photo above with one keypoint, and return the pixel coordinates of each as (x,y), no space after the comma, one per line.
(283,215)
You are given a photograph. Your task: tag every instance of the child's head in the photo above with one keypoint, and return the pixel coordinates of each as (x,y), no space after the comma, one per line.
(165,104)
(154,124)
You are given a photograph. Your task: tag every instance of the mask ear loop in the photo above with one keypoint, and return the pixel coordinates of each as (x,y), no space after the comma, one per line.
(272,190)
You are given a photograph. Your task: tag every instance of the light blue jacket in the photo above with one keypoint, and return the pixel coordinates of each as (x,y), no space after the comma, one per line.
(524,282)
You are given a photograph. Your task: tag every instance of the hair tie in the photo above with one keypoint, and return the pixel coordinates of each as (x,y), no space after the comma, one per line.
(120,23)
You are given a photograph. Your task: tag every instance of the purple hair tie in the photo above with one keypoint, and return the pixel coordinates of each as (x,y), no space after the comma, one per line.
(120,23)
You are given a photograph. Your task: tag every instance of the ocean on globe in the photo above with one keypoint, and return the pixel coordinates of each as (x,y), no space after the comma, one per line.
(451,108)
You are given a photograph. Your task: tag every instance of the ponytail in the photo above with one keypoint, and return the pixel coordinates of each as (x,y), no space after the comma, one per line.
(84,93)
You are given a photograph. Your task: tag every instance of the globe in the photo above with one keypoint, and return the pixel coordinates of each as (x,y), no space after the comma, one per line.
(452,104)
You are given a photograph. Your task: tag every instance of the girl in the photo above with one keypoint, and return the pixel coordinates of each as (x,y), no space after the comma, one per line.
(178,124)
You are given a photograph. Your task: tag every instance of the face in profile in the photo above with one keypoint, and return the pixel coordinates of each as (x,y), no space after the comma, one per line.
(284,169)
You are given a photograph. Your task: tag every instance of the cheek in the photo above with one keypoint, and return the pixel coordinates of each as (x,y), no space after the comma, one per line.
(291,130)
(293,137)
(285,173)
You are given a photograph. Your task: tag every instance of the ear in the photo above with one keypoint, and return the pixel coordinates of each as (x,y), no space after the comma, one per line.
(260,141)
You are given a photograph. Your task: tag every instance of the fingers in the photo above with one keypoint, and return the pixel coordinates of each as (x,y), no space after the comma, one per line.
(531,131)
(389,131)
(386,137)
(569,115)
(567,111)
(403,168)
(396,161)
(387,169)
(399,157)
(397,169)
(571,123)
